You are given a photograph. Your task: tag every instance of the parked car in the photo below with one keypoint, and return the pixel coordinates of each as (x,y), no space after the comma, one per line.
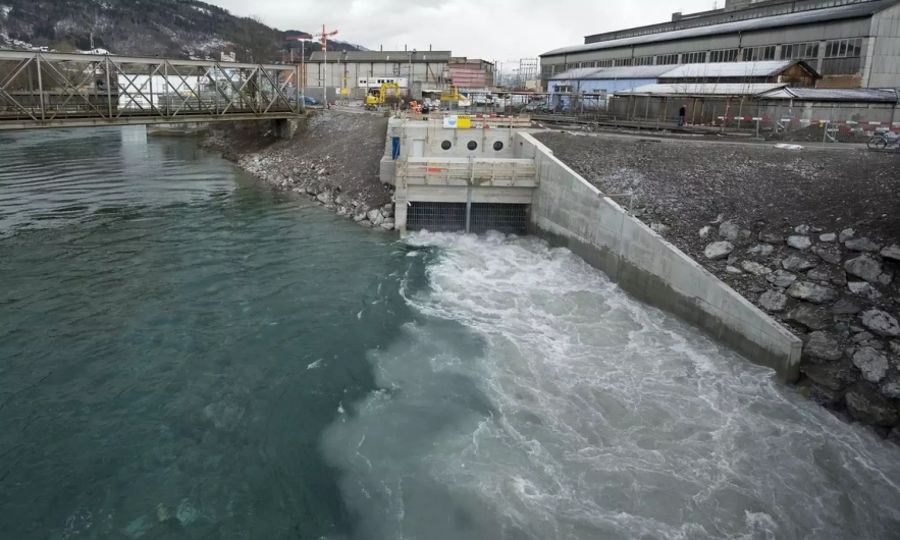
(307,100)
(537,106)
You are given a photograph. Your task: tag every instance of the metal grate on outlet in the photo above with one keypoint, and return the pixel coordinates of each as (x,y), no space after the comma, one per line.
(451,217)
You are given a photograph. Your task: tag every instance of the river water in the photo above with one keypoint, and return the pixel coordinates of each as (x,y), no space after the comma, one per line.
(186,354)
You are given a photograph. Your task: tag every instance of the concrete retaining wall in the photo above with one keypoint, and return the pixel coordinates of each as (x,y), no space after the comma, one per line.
(569,211)
(425,138)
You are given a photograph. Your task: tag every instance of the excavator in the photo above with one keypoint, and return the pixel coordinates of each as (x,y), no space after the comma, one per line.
(378,96)
(453,99)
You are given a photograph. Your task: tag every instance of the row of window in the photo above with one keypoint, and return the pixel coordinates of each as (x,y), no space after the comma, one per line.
(758,54)
(841,48)
(723,55)
(800,51)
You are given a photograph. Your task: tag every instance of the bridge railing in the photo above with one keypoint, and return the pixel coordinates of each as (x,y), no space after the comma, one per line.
(47,89)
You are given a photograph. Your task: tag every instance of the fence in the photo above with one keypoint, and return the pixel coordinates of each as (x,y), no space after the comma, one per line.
(825,120)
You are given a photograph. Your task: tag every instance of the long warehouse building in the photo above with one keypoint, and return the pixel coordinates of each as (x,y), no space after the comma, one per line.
(851,43)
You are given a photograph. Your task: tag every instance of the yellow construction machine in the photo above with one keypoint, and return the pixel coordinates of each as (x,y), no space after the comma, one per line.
(378,96)
(452,99)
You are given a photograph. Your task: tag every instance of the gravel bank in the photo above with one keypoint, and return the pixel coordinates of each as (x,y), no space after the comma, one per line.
(811,236)
(333,159)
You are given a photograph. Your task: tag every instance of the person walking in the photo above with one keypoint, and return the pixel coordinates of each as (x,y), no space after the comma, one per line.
(682,112)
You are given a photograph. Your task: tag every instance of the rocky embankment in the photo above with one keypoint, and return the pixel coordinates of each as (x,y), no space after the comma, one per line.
(811,237)
(333,159)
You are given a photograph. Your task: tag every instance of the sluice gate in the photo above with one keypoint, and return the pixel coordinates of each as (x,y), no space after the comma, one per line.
(449,179)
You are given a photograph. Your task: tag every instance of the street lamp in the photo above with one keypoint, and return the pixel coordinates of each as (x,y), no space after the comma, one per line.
(325,35)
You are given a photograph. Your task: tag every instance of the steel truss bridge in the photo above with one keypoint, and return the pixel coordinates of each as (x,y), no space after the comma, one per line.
(40,90)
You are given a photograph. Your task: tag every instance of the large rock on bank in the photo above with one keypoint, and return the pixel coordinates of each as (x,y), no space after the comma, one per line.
(865,267)
(868,406)
(811,292)
(718,250)
(891,252)
(820,346)
(871,363)
(862,244)
(375,217)
(799,242)
(773,301)
(881,323)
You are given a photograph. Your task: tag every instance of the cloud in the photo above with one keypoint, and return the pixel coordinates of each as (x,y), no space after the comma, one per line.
(488,29)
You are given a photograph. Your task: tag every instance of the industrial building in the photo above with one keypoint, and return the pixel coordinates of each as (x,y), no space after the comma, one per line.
(592,86)
(850,43)
(471,73)
(359,70)
(414,71)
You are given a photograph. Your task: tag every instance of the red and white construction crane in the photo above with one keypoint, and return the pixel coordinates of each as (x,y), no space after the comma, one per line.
(325,35)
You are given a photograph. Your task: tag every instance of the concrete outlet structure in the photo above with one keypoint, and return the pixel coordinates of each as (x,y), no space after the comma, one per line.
(493,177)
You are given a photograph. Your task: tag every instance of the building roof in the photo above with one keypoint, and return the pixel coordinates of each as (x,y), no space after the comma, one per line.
(870,95)
(383,56)
(613,73)
(729,70)
(732,70)
(703,89)
(850,11)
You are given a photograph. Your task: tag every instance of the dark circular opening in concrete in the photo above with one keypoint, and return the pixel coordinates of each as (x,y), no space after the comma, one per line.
(472,145)
(446,145)
(498,146)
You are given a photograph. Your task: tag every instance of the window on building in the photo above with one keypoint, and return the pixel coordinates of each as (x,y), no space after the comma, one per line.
(666,59)
(843,48)
(604,63)
(800,51)
(842,66)
(693,58)
(623,62)
(644,60)
(758,54)
(723,55)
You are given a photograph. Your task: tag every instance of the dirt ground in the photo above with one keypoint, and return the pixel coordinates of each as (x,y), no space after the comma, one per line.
(686,184)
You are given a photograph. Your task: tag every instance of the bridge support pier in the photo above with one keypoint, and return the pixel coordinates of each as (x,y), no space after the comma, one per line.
(285,128)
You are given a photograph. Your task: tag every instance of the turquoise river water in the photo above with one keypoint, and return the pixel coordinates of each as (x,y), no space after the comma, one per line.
(186,354)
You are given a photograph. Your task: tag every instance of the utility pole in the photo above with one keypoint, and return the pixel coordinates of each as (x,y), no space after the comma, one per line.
(410,81)
(325,35)
(302,37)
(303,71)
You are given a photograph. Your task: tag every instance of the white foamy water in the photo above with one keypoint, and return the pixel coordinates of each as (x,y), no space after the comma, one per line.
(534,399)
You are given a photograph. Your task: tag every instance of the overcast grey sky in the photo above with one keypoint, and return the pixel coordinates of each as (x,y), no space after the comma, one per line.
(488,29)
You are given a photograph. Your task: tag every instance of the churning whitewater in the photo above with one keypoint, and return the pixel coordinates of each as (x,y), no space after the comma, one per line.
(531,398)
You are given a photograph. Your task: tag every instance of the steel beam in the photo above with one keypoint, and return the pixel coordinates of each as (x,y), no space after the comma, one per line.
(71,57)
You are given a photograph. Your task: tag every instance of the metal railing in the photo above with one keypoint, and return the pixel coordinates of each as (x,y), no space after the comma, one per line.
(56,90)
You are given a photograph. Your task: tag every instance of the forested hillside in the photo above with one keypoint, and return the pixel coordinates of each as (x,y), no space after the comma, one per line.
(174,28)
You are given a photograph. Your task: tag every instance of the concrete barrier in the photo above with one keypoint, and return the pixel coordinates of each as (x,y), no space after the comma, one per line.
(569,211)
